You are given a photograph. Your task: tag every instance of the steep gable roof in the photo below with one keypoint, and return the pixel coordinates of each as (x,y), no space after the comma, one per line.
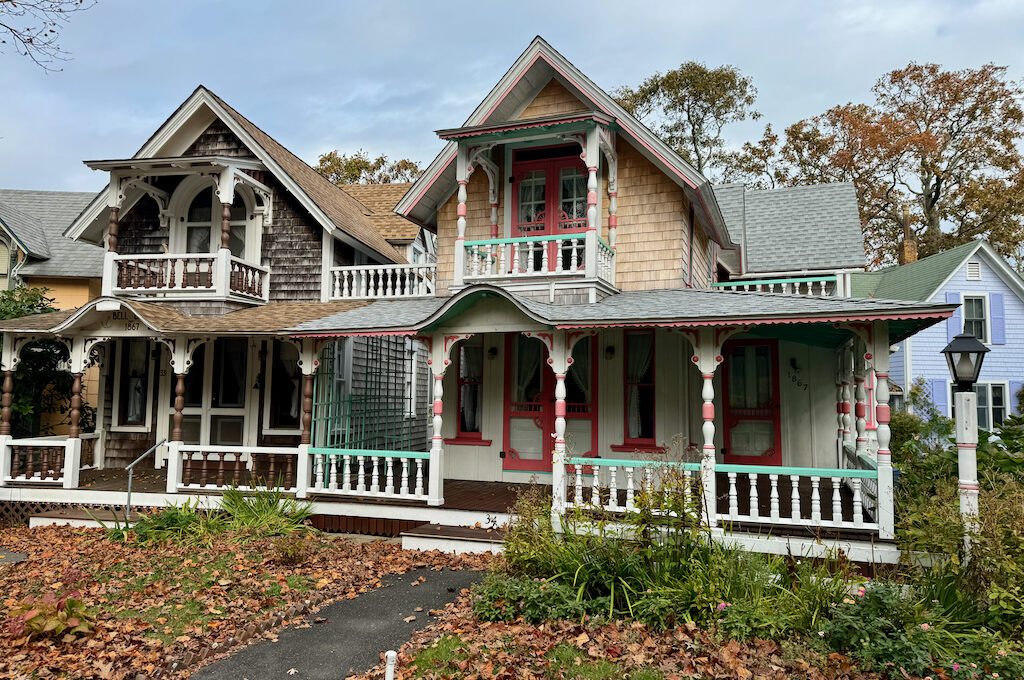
(920,280)
(329,205)
(803,228)
(381,200)
(528,76)
(37,219)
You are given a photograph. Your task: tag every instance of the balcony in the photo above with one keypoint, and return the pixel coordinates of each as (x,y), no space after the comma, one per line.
(581,255)
(383,281)
(814,286)
(191,276)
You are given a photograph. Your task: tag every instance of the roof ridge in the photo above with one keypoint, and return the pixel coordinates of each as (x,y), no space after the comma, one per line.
(48,191)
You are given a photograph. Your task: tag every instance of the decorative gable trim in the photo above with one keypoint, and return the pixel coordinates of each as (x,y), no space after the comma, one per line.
(995,262)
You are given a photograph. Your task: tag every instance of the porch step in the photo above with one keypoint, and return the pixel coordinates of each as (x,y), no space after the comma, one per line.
(80,518)
(453,539)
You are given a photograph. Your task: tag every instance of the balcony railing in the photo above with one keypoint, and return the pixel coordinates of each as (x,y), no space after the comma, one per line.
(581,254)
(383,281)
(816,286)
(188,276)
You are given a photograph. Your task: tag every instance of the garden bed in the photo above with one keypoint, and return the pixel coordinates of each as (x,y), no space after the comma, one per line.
(162,609)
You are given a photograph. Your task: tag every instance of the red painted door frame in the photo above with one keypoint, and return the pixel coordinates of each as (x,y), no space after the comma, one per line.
(552,168)
(772,412)
(545,417)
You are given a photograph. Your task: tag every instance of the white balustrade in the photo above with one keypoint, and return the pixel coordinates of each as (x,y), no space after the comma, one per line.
(383,281)
(819,286)
(361,472)
(524,257)
(615,484)
(43,461)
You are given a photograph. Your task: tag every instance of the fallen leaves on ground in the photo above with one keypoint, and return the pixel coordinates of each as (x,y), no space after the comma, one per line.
(157,603)
(521,651)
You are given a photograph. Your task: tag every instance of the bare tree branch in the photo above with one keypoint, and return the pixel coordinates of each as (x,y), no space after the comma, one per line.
(32,28)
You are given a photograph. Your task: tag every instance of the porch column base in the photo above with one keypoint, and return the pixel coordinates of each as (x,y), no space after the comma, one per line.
(173,467)
(72,461)
(5,458)
(302,472)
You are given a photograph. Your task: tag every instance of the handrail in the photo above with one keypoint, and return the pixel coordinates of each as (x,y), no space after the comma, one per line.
(525,239)
(365,267)
(767,282)
(626,462)
(798,471)
(131,472)
(369,453)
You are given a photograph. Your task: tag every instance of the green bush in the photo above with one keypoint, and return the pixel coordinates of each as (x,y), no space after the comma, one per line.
(186,523)
(507,598)
(291,550)
(264,513)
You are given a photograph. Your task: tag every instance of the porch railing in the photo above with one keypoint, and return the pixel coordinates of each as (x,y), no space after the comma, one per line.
(46,461)
(217,275)
(202,468)
(383,281)
(582,254)
(815,286)
(752,494)
(365,472)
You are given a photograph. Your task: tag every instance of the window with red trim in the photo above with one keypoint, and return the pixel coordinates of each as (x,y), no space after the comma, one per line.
(469,372)
(639,382)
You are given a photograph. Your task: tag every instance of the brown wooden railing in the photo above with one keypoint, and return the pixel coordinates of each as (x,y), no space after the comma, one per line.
(193,275)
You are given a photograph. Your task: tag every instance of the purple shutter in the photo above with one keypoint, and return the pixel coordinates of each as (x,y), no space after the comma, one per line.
(996,309)
(940,396)
(954,324)
(1015,388)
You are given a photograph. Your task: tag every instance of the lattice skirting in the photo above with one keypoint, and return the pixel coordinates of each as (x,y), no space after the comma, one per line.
(17,513)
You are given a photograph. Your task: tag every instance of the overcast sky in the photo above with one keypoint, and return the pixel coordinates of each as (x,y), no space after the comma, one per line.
(384,75)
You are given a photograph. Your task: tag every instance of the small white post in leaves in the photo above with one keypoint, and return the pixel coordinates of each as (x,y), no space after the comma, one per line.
(390,663)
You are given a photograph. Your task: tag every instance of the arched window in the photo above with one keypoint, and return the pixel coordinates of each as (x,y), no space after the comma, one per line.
(202,224)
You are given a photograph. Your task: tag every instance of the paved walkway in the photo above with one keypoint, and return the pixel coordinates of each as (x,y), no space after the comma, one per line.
(352,637)
(7,557)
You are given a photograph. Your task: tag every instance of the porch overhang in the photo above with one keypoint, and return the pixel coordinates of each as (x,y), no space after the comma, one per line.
(527,127)
(174,165)
(683,308)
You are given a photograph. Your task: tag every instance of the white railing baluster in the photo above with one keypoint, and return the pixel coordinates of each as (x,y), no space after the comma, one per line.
(734,504)
(360,474)
(815,501)
(613,488)
(419,477)
(837,500)
(578,486)
(773,507)
(755,510)
(404,488)
(795,509)
(595,488)
(629,488)
(333,462)
(858,506)
(374,474)
(389,484)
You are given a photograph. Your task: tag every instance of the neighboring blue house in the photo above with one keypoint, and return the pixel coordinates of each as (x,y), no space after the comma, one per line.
(991,297)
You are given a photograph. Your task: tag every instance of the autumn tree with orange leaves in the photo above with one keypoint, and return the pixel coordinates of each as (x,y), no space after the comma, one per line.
(945,143)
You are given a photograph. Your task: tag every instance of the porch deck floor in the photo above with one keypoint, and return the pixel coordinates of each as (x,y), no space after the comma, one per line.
(499,497)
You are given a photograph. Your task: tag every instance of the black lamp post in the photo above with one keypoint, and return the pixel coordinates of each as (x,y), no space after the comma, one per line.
(965,355)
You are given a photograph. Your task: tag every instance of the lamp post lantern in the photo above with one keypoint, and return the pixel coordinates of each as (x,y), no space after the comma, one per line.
(964,355)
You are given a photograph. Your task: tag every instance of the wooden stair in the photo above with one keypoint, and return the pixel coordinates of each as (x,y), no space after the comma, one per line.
(451,539)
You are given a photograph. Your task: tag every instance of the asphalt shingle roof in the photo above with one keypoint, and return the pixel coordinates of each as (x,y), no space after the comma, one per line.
(914,281)
(626,308)
(38,220)
(381,199)
(795,228)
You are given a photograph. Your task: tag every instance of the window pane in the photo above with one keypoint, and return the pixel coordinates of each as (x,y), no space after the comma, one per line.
(577,383)
(471,367)
(229,372)
(982,395)
(201,209)
(573,194)
(190,427)
(974,317)
(226,430)
(528,360)
(238,209)
(998,404)
(237,242)
(197,240)
(532,197)
(194,380)
(640,385)
(286,386)
(134,386)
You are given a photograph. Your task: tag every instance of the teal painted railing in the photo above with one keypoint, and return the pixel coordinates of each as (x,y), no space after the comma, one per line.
(624,462)
(369,453)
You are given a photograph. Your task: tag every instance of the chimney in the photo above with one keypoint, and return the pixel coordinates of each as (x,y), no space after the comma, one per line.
(908,246)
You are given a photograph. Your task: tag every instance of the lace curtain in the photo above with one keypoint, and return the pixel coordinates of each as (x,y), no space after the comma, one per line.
(639,353)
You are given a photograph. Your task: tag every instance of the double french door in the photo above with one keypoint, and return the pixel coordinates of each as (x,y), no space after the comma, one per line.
(530,404)
(550,189)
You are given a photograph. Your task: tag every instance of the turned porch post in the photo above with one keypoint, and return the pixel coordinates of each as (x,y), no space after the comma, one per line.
(179,406)
(75,416)
(309,361)
(113,226)
(225,226)
(462,177)
(861,406)
(5,404)
(560,359)
(440,347)
(879,356)
(8,362)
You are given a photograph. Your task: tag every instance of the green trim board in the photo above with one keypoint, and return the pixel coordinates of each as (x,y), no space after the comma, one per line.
(624,462)
(797,471)
(368,453)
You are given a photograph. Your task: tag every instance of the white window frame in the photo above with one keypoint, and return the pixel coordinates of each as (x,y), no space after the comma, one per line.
(983,295)
(1007,399)
(182,200)
(268,391)
(115,416)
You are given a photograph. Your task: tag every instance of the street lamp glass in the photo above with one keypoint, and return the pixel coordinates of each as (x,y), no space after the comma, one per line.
(964,355)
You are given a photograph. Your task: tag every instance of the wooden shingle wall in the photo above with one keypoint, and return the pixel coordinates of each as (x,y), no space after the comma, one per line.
(140,230)
(552,99)
(478,223)
(218,140)
(292,246)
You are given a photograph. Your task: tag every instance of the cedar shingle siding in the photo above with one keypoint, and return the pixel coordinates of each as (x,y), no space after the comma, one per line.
(140,230)
(553,99)
(218,140)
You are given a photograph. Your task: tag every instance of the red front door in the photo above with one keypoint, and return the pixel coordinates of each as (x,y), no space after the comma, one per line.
(750,378)
(530,404)
(550,189)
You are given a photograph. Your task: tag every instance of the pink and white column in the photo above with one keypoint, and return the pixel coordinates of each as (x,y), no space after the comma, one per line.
(880,359)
